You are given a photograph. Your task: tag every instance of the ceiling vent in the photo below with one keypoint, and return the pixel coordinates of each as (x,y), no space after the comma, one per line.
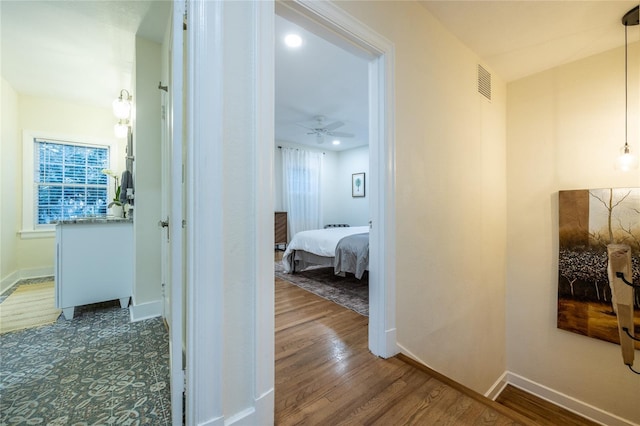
(484,82)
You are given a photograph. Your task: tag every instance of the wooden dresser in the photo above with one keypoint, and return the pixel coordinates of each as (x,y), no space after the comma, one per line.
(281,228)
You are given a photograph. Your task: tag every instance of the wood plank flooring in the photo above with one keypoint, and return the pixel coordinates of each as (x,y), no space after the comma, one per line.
(539,410)
(325,374)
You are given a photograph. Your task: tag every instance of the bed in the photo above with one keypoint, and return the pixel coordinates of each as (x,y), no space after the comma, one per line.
(345,249)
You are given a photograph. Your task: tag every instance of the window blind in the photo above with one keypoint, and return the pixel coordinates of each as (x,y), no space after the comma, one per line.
(68,181)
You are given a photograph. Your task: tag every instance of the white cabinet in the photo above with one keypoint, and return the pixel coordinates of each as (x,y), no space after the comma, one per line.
(94,263)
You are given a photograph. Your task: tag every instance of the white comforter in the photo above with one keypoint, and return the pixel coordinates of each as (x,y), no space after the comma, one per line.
(321,242)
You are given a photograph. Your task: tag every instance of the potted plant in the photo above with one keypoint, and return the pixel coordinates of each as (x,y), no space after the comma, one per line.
(115,205)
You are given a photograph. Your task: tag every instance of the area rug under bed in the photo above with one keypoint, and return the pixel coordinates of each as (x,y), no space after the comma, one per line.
(348,291)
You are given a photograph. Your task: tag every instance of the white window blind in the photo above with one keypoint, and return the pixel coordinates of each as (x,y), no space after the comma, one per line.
(68,180)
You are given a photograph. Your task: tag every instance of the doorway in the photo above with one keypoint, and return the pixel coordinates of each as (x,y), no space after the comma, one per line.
(249,28)
(335,26)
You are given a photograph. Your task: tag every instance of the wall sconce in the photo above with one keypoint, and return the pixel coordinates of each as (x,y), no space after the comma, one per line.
(121,129)
(122,105)
(122,111)
(627,161)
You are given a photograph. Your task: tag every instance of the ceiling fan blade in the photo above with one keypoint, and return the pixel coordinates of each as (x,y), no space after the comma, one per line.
(341,134)
(304,127)
(332,126)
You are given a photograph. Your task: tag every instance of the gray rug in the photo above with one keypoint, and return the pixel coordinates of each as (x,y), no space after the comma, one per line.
(348,291)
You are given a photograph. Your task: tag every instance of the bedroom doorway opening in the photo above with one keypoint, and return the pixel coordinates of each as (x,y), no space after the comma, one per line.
(376,54)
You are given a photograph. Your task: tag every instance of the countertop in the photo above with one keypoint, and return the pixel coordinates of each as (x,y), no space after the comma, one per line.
(97,219)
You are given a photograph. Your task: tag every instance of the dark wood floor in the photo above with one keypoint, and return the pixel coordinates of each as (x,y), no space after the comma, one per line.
(325,375)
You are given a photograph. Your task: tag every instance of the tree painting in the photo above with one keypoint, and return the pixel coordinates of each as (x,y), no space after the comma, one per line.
(357,185)
(589,220)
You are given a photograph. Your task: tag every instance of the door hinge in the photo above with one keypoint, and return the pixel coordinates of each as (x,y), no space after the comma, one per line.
(184,380)
(184,17)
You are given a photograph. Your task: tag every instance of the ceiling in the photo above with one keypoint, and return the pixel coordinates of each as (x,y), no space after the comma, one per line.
(84,51)
(81,51)
(318,79)
(517,38)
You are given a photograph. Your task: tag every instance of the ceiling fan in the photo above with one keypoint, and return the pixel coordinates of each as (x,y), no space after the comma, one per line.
(321,130)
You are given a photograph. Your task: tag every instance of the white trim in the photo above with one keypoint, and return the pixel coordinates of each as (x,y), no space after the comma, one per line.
(24,274)
(557,398)
(381,52)
(29,228)
(497,388)
(176,246)
(219,421)
(256,415)
(265,404)
(263,147)
(567,402)
(30,234)
(145,311)
(205,250)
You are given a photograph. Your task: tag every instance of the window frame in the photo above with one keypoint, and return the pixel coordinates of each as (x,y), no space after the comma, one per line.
(30,227)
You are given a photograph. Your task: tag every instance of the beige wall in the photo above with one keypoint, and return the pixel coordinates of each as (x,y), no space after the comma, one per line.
(32,255)
(9,170)
(147,147)
(450,199)
(565,127)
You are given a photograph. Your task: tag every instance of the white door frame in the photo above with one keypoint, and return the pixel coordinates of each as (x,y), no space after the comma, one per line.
(174,115)
(334,24)
(204,217)
(205,249)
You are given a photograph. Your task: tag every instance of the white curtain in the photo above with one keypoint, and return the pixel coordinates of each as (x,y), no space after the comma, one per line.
(301,172)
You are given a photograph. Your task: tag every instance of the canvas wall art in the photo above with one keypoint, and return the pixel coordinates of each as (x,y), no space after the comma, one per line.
(589,220)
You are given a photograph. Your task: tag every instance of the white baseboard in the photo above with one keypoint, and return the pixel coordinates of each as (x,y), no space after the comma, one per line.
(497,387)
(557,398)
(145,311)
(8,281)
(569,403)
(24,274)
(260,414)
(214,422)
(391,343)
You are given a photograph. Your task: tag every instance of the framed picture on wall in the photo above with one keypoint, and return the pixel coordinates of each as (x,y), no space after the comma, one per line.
(357,185)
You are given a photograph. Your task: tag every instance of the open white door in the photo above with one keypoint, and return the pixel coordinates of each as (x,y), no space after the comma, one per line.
(172,210)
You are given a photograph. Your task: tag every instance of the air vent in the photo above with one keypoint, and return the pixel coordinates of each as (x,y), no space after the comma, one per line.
(484,82)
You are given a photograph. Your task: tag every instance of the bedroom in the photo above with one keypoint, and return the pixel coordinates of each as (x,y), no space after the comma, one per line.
(322,115)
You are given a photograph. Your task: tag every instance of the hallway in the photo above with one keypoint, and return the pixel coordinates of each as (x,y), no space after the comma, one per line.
(325,374)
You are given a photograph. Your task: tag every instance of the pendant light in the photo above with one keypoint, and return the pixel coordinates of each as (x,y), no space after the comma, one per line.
(627,161)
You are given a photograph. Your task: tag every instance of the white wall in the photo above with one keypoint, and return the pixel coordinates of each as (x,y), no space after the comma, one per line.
(32,255)
(347,209)
(337,166)
(450,198)
(565,127)
(147,175)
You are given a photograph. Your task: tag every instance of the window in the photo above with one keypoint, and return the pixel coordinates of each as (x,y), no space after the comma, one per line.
(62,179)
(68,181)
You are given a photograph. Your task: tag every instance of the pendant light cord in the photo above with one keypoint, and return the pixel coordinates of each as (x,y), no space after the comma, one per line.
(626,90)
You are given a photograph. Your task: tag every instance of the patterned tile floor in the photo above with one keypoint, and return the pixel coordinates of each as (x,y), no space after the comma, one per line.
(96,369)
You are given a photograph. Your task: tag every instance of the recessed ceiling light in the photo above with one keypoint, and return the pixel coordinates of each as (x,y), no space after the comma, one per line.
(293,40)
(336,142)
